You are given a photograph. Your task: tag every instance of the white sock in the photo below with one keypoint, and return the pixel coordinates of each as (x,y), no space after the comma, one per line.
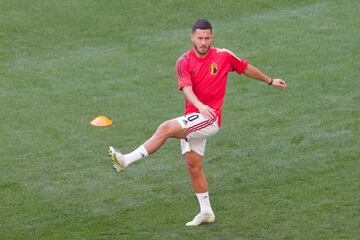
(204,202)
(136,155)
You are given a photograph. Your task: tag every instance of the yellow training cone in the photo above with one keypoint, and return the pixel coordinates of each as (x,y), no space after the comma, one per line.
(101,121)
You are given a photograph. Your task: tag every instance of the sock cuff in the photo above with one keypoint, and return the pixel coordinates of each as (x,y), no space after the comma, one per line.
(202,195)
(143,151)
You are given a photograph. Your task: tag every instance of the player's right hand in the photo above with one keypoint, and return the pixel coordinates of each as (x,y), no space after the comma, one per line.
(207,111)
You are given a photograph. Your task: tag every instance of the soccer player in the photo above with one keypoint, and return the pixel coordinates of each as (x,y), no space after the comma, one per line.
(202,74)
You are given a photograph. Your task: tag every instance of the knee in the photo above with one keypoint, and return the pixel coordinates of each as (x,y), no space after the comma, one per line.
(164,130)
(194,169)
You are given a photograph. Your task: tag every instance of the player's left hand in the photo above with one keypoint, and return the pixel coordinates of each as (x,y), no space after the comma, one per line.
(279,83)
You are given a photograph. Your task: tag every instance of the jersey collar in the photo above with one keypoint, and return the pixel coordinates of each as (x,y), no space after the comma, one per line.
(207,55)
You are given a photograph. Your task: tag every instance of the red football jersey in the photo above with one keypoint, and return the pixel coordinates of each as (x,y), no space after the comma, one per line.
(207,76)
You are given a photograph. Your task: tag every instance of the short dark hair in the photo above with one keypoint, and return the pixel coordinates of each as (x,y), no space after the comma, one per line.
(201,24)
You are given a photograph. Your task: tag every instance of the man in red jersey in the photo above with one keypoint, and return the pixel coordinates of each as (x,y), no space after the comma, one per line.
(202,75)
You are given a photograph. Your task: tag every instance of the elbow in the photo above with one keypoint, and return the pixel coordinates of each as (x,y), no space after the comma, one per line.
(186,88)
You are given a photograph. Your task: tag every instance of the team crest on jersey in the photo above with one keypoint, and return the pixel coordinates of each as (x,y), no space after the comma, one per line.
(213,68)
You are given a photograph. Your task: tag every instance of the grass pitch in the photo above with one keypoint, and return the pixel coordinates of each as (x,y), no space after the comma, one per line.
(285,165)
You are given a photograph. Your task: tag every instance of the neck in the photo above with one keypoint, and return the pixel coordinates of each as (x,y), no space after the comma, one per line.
(199,55)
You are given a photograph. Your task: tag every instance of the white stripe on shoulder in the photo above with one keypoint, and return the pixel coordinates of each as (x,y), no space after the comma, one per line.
(219,50)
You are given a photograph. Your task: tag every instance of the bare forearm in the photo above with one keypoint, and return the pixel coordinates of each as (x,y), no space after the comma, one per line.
(255,73)
(191,97)
(205,110)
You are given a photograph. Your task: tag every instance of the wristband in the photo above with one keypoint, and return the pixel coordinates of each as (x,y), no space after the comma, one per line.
(271,82)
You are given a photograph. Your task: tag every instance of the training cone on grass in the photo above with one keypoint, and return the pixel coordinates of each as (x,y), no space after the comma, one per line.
(101,121)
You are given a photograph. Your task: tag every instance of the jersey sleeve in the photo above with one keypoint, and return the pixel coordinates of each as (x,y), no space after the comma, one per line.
(183,73)
(237,64)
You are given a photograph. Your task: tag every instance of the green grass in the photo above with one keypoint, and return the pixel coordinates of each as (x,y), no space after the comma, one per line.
(285,165)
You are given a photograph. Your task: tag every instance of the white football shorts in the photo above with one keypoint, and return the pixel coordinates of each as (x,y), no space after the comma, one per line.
(197,130)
